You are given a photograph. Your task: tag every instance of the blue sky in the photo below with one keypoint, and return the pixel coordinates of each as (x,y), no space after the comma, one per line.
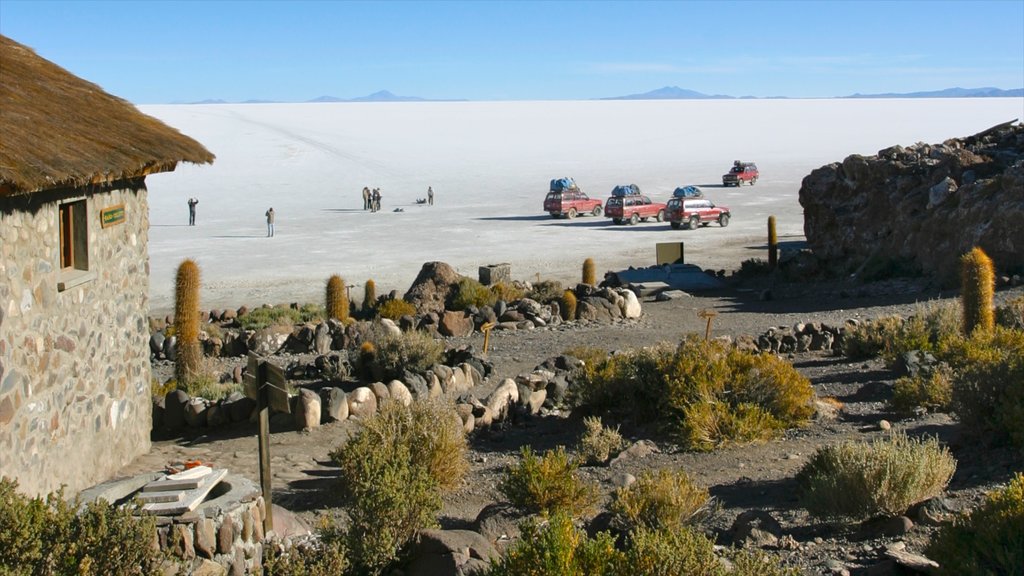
(184,51)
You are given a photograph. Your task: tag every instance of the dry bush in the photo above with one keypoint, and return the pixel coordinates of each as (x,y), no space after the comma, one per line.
(472,293)
(670,553)
(1011,314)
(870,338)
(265,316)
(415,351)
(547,484)
(558,548)
(884,477)
(988,541)
(932,326)
(326,556)
(591,356)
(988,386)
(509,292)
(932,391)
(662,500)
(395,308)
(546,291)
(706,393)
(392,473)
(599,443)
(54,536)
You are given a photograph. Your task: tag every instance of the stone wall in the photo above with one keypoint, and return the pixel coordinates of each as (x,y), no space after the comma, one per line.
(74,364)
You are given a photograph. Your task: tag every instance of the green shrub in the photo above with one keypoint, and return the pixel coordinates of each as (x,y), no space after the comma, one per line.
(932,391)
(988,394)
(265,316)
(988,541)
(547,484)
(392,473)
(395,308)
(662,500)
(753,267)
(54,536)
(558,548)
(324,557)
(758,563)
(1011,314)
(599,443)
(930,328)
(591,356)
(472,293)
(703,392)
(870,338)
(887,476)
(546,291)
(415,351)
(507,292)
(669,553)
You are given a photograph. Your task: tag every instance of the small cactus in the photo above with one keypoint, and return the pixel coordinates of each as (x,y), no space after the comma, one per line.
(337,299)
(370,295)
(186,322)
(568,305)
(773,244)
(977,279)
(589,272)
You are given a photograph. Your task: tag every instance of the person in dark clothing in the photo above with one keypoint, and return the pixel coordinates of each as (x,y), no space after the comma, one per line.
(430,196)
(192,211)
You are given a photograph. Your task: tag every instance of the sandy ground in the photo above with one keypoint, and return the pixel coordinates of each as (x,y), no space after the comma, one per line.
(489,164)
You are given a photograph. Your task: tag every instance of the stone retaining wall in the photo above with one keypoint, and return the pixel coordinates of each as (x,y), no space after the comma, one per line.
(74,363)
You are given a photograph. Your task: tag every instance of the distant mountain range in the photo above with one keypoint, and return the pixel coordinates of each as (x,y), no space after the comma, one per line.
(677,93)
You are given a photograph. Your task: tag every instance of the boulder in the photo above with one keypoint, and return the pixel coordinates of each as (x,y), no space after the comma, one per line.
(756,528)
(449,552)
(195,412)
(174,410)
(322,339)
(380,390)
(629,305)
(307,412)
(399,392)
(504,398)
(240,408)
(433,287)
(455,323)
(333,404)
(362,403)
(267,341)
(391,328)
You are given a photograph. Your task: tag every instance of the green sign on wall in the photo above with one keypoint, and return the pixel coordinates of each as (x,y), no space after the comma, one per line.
(112,215)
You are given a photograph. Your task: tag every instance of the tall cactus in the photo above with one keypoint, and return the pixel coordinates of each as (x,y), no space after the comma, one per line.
(568,305)
(589,272)
(773,244)
(978,280)
(337,298)
(370,295)
(186,323)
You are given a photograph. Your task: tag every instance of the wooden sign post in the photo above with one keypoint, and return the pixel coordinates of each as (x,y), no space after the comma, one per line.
(709,314)
(486,329)
(265,383)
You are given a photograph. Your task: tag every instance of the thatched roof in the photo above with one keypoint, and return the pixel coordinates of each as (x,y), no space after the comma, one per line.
(57,130)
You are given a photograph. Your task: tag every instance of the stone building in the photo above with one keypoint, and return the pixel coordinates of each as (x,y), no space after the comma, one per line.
(74,357)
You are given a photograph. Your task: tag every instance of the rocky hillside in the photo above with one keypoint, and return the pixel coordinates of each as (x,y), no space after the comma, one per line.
(920,207)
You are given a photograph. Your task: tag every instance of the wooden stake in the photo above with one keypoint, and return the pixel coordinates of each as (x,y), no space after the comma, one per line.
(263,406)
(709,314)
(486,329)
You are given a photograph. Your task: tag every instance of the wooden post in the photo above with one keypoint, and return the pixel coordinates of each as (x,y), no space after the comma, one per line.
(263,406)
(486,329)
(709,314)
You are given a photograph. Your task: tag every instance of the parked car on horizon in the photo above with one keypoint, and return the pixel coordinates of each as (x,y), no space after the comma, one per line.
(739,173)
(696,212)
(633,208)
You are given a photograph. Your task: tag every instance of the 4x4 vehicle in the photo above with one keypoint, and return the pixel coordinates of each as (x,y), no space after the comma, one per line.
(569,203)
(696,212)
(566,199)
(633,208)
(739,173)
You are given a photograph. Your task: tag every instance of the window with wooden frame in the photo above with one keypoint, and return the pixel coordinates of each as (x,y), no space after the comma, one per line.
(74,244)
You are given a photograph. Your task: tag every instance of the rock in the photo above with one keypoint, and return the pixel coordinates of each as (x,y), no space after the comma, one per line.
(884,527)
(156,344)
(914,562)
(499,523)
(826,410)
(455,323)
(171,348)
(333,404)
(630,305)
(448,552)
(174,410)
(915,362)
(621,480)
(639,450)
(240,409)
(322,339)
(207,567)
(465,413)
(585,311)
(884,425)
(536,401)
(205,538)
(433,287)
(217,415)
(195,412)
(667,295)
(307,413)
(399,393)
(931,512)
(756,528)
(391,328)
(267,341)
(843,200)
(362,403)
(503,399)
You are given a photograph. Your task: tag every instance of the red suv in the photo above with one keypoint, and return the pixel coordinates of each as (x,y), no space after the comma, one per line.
(696,212)
(739,173)
(633,208)
(569,203)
